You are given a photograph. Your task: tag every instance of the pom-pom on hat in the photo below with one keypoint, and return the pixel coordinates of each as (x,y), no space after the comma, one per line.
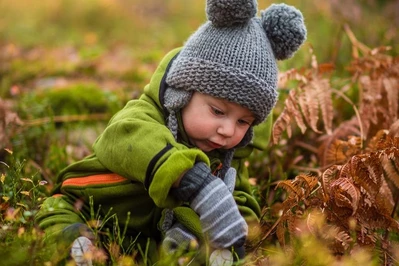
(233,55)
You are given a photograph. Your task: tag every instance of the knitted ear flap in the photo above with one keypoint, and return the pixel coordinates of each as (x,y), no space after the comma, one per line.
(174,100)
(285,28)
(225,13)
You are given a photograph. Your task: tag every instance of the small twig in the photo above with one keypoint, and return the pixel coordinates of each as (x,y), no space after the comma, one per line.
(65,119)
(356,112)
(308,169)
(355,43)
(306,146)
(42,171)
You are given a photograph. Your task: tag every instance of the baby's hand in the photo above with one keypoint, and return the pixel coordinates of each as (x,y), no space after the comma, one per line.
(209,196)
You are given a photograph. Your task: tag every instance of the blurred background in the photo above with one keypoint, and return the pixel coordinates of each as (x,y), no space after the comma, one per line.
(126,38)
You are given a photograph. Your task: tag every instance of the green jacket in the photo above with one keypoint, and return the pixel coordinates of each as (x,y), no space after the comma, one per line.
(135,162)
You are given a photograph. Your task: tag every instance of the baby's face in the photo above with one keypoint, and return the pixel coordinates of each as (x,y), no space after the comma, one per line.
(213,123)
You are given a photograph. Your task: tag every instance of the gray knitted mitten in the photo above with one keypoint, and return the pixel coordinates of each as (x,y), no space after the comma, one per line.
(80,247)
(81,237)
(179,238)
(209,196)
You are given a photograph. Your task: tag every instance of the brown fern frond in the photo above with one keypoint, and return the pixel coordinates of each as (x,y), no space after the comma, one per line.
(391,86)
(327,177)
(384,199)
(328,149)
(377,75)
(303,104)
(345,194)
(369,101)
(390,164)
(286,226)
(291,187)
(309,181)
(374,169)
(294,110)
(289,203)
(283,122)
(325,102)
(309,105)
(379,141)
(341,243)
(280,233)
(365,171)
(394,131)
(340,151)
(372,218)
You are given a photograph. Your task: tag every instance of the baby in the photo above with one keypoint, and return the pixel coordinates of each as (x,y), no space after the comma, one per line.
(170,165)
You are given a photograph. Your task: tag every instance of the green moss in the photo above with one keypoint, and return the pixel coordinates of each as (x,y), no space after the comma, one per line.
(80,99)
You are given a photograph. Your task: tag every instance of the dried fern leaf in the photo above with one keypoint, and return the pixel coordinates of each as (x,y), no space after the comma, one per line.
(345,194)
(394,130)
(309,105)
(282,123)
(379,141)
(335,153)
(280,233)
(360,173)
(289,203)
(292,223)
(370,93)
(385,202)
(309,180)
(374,169)
(327,151)
(391,86)
(327,177)
(344,239)
(390,164)
(315,222)
(325,102)
(291,187)
(294,110)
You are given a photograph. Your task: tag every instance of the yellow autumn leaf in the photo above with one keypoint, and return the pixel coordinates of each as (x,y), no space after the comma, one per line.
(2,178)
(5,198)
(25,193)
(22,205)
(8,150)
(26,179)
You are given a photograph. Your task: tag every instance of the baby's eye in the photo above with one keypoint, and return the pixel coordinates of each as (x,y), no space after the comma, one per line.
(244,122)
(217,111)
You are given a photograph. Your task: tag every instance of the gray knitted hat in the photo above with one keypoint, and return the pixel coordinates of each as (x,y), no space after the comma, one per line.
(233,56)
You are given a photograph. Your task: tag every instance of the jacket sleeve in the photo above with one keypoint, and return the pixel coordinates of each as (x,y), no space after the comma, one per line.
(137,145)
(55,214)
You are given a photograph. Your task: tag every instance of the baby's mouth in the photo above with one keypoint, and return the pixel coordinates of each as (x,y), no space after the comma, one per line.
(214,145)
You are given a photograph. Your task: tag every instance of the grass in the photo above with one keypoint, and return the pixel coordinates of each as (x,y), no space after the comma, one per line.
(66,67)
